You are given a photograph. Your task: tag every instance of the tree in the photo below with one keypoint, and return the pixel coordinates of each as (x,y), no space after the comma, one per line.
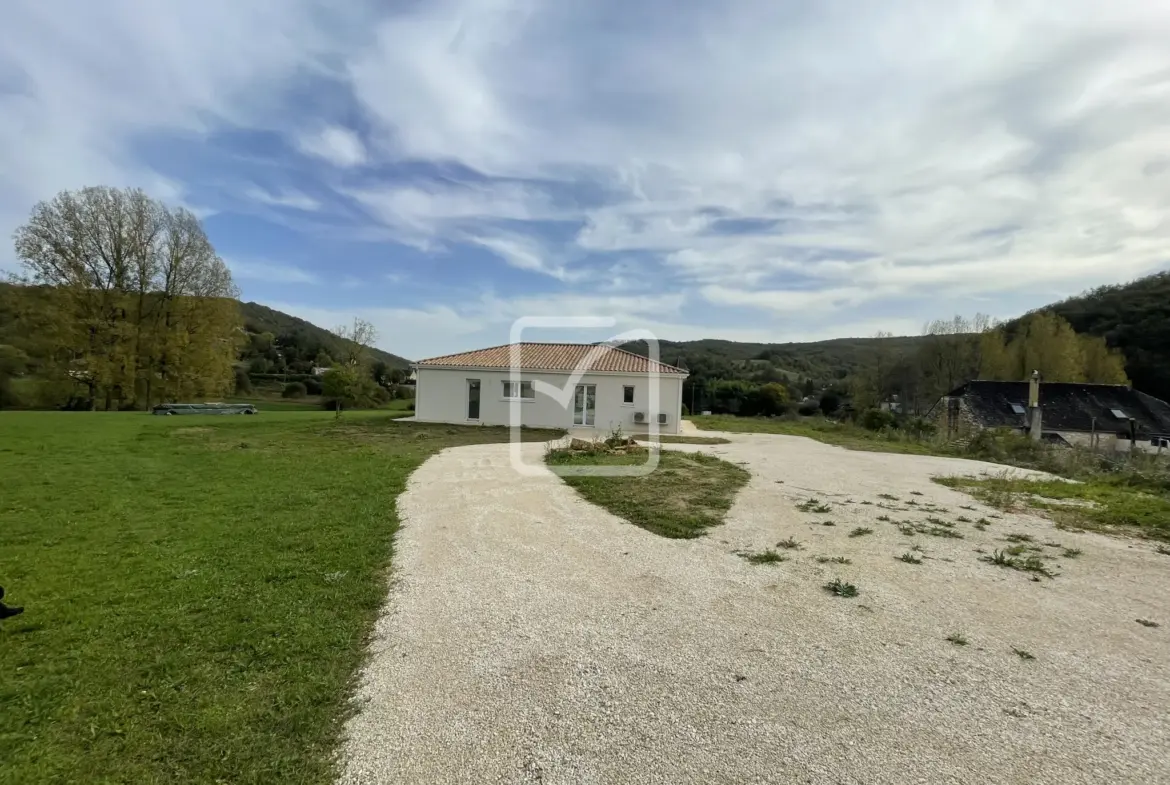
(1102,364)
(145,306)
(830,402)
(348,386)
(1047,343)
(350,383)
(772,399)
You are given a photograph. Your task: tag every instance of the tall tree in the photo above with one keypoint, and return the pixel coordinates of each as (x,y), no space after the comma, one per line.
(145,304)
(1047,343)
(350,382)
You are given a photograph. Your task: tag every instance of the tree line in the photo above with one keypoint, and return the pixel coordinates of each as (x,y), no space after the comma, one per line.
(954,351)
(134,306)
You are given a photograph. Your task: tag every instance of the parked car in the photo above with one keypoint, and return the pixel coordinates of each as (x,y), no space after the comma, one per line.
(204,408)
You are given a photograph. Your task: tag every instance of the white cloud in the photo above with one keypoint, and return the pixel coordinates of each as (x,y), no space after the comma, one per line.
(335,144)
(290,198)
(269,272)
(801,164)
(970,146)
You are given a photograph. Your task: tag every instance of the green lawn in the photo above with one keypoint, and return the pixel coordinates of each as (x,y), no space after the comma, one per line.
(685,495)
(310,404)
(198,589)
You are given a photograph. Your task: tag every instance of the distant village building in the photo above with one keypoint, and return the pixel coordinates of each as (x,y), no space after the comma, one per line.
(1100,416)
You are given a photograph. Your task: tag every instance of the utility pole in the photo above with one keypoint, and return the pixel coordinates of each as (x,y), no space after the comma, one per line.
(1035,428)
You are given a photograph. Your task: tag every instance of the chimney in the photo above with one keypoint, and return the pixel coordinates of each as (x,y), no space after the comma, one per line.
(1034,427)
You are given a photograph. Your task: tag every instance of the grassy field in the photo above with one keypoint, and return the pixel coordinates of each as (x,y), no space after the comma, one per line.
(309,404)
(198,589)
(682,498)
(1110,504)
(828,431)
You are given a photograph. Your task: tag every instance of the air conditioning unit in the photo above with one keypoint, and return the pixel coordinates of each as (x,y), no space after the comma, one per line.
(639,417)
(662,418)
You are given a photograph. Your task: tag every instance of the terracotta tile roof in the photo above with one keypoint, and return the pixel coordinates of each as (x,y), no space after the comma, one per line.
(554,357)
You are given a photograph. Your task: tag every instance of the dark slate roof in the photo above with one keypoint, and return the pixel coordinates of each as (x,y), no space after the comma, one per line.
(1066,406)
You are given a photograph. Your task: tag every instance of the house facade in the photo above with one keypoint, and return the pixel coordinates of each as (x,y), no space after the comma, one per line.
(1109,417)
(553,385)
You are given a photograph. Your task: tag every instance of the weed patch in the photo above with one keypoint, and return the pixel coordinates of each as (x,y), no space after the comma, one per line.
(841,588)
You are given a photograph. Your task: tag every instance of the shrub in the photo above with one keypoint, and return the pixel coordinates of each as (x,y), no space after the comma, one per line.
(293,390)
(313,386)
(685,410)
(830,402)
(919,427)
(876,420)
(808,409)
(243,382)
(410,406)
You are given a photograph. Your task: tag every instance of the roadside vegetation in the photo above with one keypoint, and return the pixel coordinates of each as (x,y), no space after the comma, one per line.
(684,496)
(198,590)
(1113,493)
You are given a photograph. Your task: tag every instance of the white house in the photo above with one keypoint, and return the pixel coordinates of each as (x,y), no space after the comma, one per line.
(555,385)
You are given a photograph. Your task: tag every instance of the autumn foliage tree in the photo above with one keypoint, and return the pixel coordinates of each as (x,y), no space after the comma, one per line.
(142,307)
(1047,343)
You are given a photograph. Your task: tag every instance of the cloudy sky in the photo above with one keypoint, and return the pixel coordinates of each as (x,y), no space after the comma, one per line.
(748,169)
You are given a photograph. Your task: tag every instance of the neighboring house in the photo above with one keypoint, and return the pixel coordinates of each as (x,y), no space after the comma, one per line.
(1105,416)
(320,370)
(599,387)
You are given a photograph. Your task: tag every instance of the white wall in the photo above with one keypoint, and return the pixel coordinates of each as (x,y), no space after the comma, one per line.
(441,396)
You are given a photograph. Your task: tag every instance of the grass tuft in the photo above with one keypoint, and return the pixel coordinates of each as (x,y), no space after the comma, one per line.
(833,560)
(910,558)
(1023,654)
(1071,553)
(789,544)
(1147,623)
(841,588)
(1010,558)
(813,505)
(768,556)
(860,531)
(957,638)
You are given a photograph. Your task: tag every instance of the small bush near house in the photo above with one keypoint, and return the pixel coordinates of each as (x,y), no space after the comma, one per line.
(313,386)
(410,406)
(808,409)
(685,411)
(293,390)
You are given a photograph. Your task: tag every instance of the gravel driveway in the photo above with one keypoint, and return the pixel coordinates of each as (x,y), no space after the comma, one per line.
(530,637)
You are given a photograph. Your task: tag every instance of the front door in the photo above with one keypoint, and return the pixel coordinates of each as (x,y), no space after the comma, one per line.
(473,399)
(585,405)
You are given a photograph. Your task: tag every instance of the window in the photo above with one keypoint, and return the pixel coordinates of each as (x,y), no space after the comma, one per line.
(1119,414)
(519,391)
(628,394)
(1018,408)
